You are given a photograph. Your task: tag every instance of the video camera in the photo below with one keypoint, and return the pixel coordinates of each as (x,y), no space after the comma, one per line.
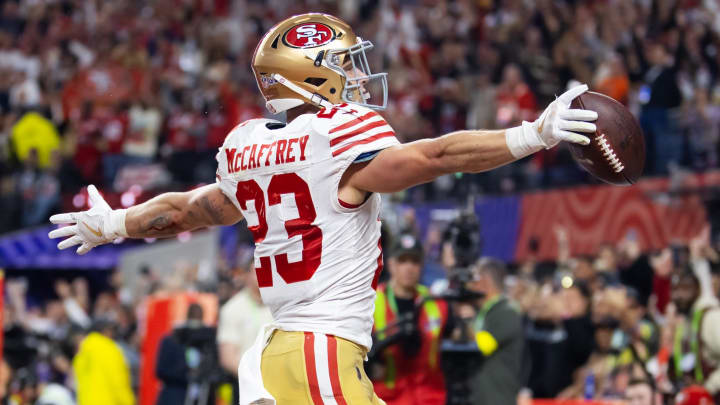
(404,330)
(463,236)
(201,353)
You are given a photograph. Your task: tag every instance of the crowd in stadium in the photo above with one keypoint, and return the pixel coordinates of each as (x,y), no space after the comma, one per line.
(117,93)
(111,88)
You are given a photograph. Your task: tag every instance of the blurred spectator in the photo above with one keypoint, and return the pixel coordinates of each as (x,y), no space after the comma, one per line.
(661,96)
(54,394)
(593,380)
(39,189)
(33,132)
(642,392)
(515,101)
(636,330)
(5,377)
(573,53)
(407,332)
(241,318)
(694,395)
(86,139)
(612,80)
(101,372)
(185,129)
(144,127)
(73,302)
(114,132)
(701,123)
(559,333)
(696,334)
(498,331)
(481,112)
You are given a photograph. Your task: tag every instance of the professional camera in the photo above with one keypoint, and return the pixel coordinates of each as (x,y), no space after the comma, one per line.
(404,330)
(463,236)
(201,352)
(204,371)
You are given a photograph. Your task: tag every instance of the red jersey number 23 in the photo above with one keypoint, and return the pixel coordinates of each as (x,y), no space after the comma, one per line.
(287,183)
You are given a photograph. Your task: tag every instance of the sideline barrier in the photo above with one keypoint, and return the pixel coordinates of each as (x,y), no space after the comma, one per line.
(655,211)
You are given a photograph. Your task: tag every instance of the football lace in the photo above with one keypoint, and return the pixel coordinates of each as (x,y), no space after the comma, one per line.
(609,154)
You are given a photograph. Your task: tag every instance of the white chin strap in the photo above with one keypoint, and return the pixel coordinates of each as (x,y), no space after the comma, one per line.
(280,105)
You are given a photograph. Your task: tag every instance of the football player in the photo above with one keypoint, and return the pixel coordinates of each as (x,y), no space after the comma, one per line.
(310,192)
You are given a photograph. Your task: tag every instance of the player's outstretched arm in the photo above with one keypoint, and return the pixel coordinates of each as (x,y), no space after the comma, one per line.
(472,151)
(165,215)
(171,213)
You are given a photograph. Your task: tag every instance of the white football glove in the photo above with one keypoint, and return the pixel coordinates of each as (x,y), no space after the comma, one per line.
(97,226)
(557,123)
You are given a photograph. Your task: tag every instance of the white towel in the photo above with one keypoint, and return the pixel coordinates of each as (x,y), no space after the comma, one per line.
(252,389)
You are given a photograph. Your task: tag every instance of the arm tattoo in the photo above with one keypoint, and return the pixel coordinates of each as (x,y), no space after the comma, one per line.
(159,223)
(215,212)
(172,213)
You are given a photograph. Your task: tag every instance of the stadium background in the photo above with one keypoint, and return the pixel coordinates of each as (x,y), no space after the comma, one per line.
(136,97)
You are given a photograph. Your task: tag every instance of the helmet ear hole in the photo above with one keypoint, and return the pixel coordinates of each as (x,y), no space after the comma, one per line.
(315,81)
(332,90)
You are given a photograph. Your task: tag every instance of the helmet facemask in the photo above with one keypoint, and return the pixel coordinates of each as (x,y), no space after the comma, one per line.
(362,87)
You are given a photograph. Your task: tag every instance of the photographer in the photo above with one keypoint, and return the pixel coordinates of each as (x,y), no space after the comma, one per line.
(408,328)
(187,362)
(497,328)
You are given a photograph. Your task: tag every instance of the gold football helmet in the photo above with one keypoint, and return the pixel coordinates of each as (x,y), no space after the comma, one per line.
(315,58)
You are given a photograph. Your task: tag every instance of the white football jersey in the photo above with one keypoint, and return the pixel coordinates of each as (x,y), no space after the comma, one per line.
(317,258)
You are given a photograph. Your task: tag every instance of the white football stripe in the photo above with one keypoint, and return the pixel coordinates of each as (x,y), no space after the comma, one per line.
(322,369)
(377,144)
(358,125)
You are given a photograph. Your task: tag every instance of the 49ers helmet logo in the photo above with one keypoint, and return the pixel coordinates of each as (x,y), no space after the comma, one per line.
(308,35)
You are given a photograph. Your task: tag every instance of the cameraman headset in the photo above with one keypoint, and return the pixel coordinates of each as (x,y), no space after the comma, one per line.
(496,325)
(408,328)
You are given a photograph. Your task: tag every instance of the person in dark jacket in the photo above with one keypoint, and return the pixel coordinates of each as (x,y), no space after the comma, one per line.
(172,369)
(187,357)
(498,332)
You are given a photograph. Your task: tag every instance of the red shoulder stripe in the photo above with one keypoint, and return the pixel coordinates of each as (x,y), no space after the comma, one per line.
(356,121)
(364,141)
(354,132)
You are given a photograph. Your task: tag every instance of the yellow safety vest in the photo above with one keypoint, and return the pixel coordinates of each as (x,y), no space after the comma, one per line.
(385,298)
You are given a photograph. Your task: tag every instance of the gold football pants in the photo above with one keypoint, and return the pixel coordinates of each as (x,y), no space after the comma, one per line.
(306,368)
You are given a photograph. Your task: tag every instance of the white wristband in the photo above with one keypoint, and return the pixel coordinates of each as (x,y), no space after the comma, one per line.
(523,140)
(116,223)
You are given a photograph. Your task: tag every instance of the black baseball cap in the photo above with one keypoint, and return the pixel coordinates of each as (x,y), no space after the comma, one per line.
(408,246)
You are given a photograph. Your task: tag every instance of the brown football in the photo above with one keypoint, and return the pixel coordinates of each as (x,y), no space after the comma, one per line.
(616,153)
